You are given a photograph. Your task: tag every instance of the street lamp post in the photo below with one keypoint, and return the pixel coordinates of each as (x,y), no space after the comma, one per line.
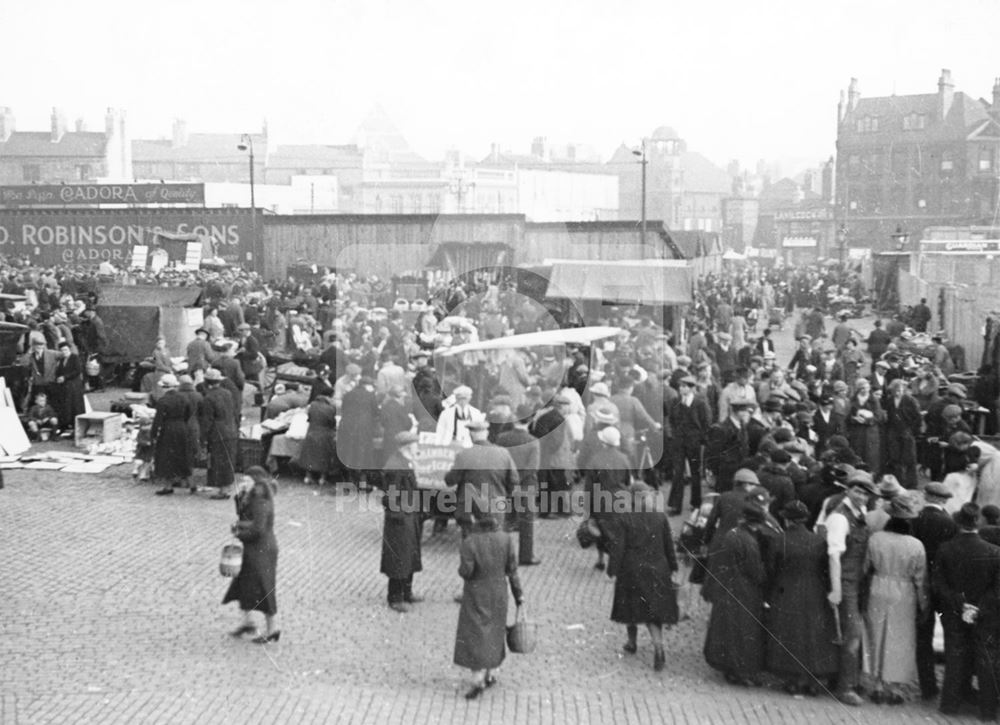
(246,144)
(642,161)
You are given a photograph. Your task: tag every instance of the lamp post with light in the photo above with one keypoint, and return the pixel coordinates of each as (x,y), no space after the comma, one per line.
(641,153)
(246,144)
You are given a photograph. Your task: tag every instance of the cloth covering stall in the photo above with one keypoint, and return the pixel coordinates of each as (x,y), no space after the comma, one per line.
(135,316)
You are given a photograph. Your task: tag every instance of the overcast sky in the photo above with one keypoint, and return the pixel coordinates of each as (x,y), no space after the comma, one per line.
(736,79)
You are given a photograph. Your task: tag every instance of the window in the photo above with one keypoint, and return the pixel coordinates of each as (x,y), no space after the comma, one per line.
(867,124)
(874,165)
(853,163)
(947,163)
(396,202)
(32,173)
(416,203)
(83,172)
(914,121)
(985,158)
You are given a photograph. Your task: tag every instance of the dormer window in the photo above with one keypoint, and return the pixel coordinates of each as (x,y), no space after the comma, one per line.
(914,121)
(867,124)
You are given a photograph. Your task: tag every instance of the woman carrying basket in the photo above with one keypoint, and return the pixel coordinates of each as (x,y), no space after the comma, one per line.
(254,586)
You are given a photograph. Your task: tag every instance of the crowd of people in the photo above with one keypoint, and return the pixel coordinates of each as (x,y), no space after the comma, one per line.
(833,491)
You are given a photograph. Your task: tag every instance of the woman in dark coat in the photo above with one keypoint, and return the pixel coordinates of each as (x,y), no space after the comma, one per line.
(403,523)
(186,388)
(488,561)
(643,561)
(219,433)
(254,586)
(171,435)
(800,646)
(734,643)
(608,477)
(68,388)
(864,426)
(358,420)
(318,452)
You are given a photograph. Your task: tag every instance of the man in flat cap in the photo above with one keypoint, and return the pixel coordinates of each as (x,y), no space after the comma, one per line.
(729,444)
(688,420)
(481,473)
(401,533)
(453,423)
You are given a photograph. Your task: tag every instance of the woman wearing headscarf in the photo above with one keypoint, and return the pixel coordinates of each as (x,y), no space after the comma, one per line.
(864,426)
(608,478)
(643,562)
(171,434)
(488,563)
(254,587)
(800,648)
(68,389)
(898,592)
(734,643)
(403,522)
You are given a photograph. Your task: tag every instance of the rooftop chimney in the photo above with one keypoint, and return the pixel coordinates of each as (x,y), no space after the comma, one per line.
(81,125)
(853,94)
(180,134)
(840,108)
(109,122)
(996,96)
(58,125)
(6,123)
(946,92)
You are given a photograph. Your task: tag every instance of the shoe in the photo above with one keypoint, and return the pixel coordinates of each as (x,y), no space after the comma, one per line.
(401,607)
(414,599)
(792,688)
(630,648)
(243,629)
(673,511)
(849,698)
(894,698)
(599,566)
(264,639)
(165,491)
(930,694)
(878,697)
(530,562)
(490,680)
(193,490)
(220,496)
(309,481)
(659,659)
(475,692)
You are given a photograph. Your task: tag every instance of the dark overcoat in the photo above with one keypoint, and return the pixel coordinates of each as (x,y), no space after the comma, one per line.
(403,520)
(488,560)
(642,561)
(318,452)
(171,433)
(67,396)
(800,621)
(218,429)
(194,422)
(734,643)
(254,586)
(356,435)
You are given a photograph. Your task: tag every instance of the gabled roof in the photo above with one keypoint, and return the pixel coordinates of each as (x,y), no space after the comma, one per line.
(700,174)
(964,115)
(622,155)
(200,148)
(39,143)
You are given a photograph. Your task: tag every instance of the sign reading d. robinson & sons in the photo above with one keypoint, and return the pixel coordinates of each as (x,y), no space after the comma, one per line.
(93,194)
(89,237)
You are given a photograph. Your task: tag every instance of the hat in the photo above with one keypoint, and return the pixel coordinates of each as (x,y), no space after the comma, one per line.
(724,337)
(741,403)
(745,475)
(279,388)
(605,416)
(405,437)
(366,380)
(783,435)
(862,479)
(967,517)
(683,360)
(882,364)
(533,391)
(960,439)
(168,381)
(561,399)
(497,417)
(794,447)
(200,330)
(610,436)
(754,512)
(213,375)
(688,380)
(807,338)
(524,412)
(780,455)
(352,369)
(600,389)
(771,405)
(243,326)
(186,380)
(839,386)
(889,486)
(37,338)
(477,425)
(826,399)
(462,391)
(958,390)
(418,354)
(795,510)
(769,355)
(937,490)
(396,391)
(951,410)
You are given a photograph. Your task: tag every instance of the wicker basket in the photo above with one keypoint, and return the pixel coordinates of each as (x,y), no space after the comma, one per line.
(232,559)
(522,637)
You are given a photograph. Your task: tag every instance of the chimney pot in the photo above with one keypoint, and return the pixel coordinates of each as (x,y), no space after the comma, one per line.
(58,127)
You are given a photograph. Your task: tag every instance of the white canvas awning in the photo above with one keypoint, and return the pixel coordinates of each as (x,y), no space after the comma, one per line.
(645,282)
(798,242)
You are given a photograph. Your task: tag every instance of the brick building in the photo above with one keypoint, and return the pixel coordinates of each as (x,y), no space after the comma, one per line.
(916,161)
(62,156)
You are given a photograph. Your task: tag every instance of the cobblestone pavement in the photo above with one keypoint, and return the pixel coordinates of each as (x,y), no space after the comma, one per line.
(112,615)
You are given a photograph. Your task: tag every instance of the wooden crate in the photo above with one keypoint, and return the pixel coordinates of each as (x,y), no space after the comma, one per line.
(97,428)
